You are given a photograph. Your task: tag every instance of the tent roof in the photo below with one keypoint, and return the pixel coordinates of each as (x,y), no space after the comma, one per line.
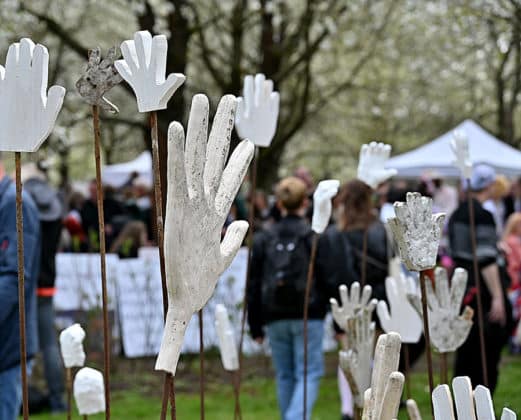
(437,156)
(116,175)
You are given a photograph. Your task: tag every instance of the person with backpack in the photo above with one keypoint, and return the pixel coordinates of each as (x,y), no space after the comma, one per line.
(275,297)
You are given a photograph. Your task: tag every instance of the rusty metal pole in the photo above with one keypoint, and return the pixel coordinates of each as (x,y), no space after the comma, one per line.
(363,274)
(407,369)
(444,368)
(201,364)
(235,382)
(423,278)
(68,376)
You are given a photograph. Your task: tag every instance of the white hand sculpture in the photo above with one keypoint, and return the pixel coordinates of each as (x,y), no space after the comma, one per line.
(27,113)
(227,344)
(322,205)
(89,391)
(412,410)
(371,165)
(71,345)
(200,193)
(459,145)
(417,231)
(470,405)
(258,111)
(351,303)
(382,400)
(356,361)
(404,319)
(144,67)
(448,329)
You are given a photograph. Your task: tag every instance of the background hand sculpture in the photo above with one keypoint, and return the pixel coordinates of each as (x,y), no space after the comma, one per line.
(460,147)
(257,111)
(226,336)
(404,318)
(27,113)
(322,205)
(144,67)
(89,391)
(71,346)
(200,193)
(448,329)
(417,231)
(371,165)
(352,303)
(99,77)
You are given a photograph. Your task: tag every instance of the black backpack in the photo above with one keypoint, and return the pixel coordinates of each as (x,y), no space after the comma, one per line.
(286,259)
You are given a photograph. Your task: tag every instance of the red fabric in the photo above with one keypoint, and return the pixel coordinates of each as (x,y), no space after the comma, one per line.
(46,291)
(513,255)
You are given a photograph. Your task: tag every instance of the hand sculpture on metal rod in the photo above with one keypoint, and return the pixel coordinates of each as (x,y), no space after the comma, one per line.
(200,192)
(89,391)
(371,165)
(71,346)
(352,303)
(322,206)
(459,145)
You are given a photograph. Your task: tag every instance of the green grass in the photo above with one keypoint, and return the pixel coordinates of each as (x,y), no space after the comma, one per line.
(140,400)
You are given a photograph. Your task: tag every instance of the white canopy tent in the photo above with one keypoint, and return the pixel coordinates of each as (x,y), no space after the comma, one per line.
(437,156)
(117,175)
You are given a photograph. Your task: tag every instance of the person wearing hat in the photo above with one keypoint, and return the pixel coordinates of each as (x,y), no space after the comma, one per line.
(495,310)
(50,211)
(275,298)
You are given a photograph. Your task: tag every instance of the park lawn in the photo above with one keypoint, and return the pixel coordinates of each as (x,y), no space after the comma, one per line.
(259,400)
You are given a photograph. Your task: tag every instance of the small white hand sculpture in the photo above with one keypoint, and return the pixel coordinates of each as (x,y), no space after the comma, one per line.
(459,145)
(404,319)
(448,329)
(89,391)
(200,193)
(382,400)
(356,361)
(351,303)
(144,67)
(71,345)
(258,111)
(417,232)
(371,165)
(226,336)
(322,205)
(27,113)
(475,405)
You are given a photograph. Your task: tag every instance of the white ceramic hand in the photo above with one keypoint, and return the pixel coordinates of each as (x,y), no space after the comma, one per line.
(226,336)
(417,231)
(89,391)
(448,329)
(200,193)
(459,145)
(371,166)
(351,303)
(470,405)
(71,346)
(382,400)
(257,111)
(144,67)
(27,113)
(404,319)
(322,205)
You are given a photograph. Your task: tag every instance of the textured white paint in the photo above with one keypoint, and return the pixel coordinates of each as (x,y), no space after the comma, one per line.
(460,148)
(27,113)
(227,344)
(144,66)
(322,205)
(412,410)
(89,392)
(448,329)
(352,302)
(404,319)
(71,345)
(417,231)
(257,111)
(442,403)
(200,192)
(371,165)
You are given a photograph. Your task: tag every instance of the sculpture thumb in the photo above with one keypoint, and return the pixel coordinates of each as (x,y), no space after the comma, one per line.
(390,173)
(232,241)
(52,108)
(172,83)
(383,314)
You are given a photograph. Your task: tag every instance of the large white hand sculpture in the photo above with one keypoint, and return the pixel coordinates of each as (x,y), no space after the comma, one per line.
(144,67)
(71,345)
(322,205)
(382,400)
(404,319)
(470,405)
(352,303)
(257,111)
(89,391)
(371,165)
(200,193)
(226,336)
(448,329)
(459,145)
(417,231)
(27,113)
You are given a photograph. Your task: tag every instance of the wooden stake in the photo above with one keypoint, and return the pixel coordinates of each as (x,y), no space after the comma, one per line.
(68,378)
(423,278)
(201,364)
(101,223)
(21,283)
